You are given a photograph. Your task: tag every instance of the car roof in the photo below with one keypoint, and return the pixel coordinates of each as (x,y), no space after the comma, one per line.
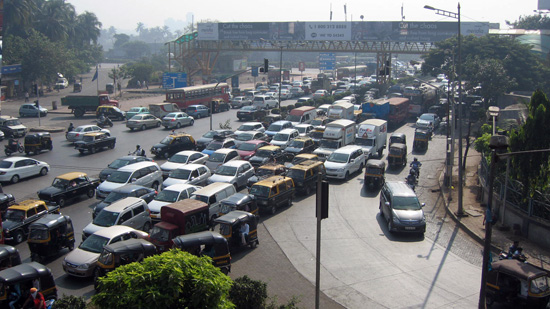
(287,131)
(252,122)
(270,181)
(187,152)
(192,166)
(281,122)
(15,159)
(179,187)
(303,125)
(347,149)
(400,188)
(305,165)
(135,166)
(113,231)
(87,125)
(270,147)
(224,150)
(271,166)
(129,188)
(255,142)
(124,203)
(26,204)
(212,188)
(235,163)
(71,175)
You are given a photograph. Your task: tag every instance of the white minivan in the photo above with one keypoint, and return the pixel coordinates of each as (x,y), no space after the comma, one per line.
(345,161)
(213,194)
(144,173)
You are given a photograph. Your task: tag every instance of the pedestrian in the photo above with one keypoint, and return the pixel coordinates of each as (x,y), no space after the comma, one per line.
(146,85)
(37,299)
(139,84)
(26,96)
(119,87)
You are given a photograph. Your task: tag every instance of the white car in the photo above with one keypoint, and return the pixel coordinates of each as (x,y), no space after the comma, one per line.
(283,137)
(193,174)
(345,161)
(235,172)
(170,195)
(321,93)
(238,102)
(250,126)
(78,133)
(427,121)
(15,168)
(182,158)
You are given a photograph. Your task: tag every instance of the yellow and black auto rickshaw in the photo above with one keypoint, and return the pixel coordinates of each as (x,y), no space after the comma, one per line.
(231,225)
(397,155)
(25,276)
(35,143)
(49,235)
(238,201)
(273,192)
(521,284)
(208,243)
(421,138)
(122,253)
(374,173)
(9,257)
(77,87)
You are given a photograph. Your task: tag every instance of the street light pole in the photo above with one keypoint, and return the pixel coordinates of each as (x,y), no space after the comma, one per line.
(280,75)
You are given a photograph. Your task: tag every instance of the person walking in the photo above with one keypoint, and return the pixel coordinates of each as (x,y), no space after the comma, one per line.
(26,96)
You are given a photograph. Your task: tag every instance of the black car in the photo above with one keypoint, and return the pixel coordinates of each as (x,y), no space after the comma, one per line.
(266,154)
(6,200)
(120,162)
(173,143)
(145,193)
(250,113)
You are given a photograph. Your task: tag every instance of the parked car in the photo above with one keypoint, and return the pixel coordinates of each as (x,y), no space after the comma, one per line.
(235,172)
(173,143)
(31,110)
(193,174)
(266,171)
(321,93)
(284,137)
(78,133)
(427,121)
(278,126)
(304,129)
(169,195)
(249,136)
(198,111)
(145,174)
(266,154)
(137,110)
(219,143)
(144,193)
(13,169)
(182,158)
(177,120)
(120,162)
(250,113)
(209,136)
(142,122)
(68,186)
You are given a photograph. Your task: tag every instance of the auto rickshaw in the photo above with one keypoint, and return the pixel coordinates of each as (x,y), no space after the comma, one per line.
(374,173)
(77,87)
(520,283)
(269,119)
(397,154)
(110,87)
(218,106)
(421,138)
(9,257)
(206,243)
(231,223)
(26,275)
(35,143)
(49,234)
(400,138)
(238,201)
(122,253)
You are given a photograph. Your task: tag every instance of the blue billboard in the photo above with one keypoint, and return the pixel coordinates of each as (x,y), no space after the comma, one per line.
(174,80)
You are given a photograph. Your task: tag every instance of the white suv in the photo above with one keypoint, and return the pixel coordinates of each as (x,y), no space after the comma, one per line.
(284,137)
(345,161)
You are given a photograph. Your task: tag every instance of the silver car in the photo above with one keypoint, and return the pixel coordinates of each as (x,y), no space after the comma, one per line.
(193,174)
(182,158)
(235,172)
(78,133)
(177,120)
(238,102)
(142,122)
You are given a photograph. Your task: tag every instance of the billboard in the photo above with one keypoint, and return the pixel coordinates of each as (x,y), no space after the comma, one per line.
(393,31)
(544,5)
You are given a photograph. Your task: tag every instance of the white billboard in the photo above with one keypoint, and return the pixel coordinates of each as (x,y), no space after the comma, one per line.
(208,31)
(544,5)
(328,31)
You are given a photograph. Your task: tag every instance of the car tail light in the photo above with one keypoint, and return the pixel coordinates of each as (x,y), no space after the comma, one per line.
(77,134)
(173,120)
(156,192)
(2,173)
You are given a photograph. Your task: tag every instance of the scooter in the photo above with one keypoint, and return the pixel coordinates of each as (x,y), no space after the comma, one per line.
(12,147)
(104,123)
(411,180)
(518,255)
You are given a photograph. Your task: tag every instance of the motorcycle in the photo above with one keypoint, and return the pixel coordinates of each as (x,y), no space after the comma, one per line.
(518,255)
(13,146)
(411,180)
(416,170)
(103,123)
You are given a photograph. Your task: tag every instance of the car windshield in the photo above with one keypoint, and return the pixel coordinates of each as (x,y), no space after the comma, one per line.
(296,144)
(94,243)
(119,177)
(180,174)
(325,143)
(263,153)
(217,157)
(167,196)
(316,134)
(294,118)
(167,140)
(5,164)
(106,218)
(274,127)
(365,141)
(14,215)
(210,134)
(246,127)
(115,196)
(160,234)
(244,137)
(246,147)
(426,117)
(260,191)
(281,137)
(13,122)
(171,115)
(405,203)
(137,117)
(227,170)
(214,145)
(338,157)
(60,183)
(179,158)
(118,163)
(248,108)
(265,172)
(301,129)
(295,173)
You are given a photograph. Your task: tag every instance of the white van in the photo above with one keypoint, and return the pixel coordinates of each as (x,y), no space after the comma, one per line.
(162,109)
(147,174)
(304,114)
(213,194)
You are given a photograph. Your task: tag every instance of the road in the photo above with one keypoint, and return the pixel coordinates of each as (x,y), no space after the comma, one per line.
(362,264)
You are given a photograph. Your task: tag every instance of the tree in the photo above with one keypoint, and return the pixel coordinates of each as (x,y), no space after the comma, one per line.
(136,49)
(139,28)
(491,75)
(120,40)
(18,16)
(55,19)
(532,22)
(174,279)
(247,293)
(532,169)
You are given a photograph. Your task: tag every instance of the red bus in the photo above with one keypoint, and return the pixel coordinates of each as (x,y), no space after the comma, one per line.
(202,94)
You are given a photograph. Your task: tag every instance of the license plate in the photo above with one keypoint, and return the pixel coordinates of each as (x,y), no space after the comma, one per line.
(410,228)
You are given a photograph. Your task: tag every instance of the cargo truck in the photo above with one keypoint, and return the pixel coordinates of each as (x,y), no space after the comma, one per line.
(341,110)
(379,108)
(371,136)
(80,104)
(179,218)
(338,133)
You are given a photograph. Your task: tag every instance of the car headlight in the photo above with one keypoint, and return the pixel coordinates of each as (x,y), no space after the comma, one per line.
(340,170)
(423,220)
(84,266)
(396,220)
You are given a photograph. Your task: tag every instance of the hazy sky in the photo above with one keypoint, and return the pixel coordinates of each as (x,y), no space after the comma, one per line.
(125,14)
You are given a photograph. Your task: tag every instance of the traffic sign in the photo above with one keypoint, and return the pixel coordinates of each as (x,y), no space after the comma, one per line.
(174,80)
(302,66)
(254,71)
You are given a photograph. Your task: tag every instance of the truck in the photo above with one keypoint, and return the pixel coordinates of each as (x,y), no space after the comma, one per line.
(378,108)
(18,217)
(371,136)
(80,104)
(341,110)
(160,110)
(179,218)
(421,98)
(338,133)
(399,111)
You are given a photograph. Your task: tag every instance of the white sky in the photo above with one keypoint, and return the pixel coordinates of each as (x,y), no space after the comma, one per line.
(125,14)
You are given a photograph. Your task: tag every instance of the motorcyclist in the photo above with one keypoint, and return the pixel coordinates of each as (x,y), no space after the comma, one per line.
(411,179)
(513,248)
(101,118)
(70,128)
(139,151)
(415,164)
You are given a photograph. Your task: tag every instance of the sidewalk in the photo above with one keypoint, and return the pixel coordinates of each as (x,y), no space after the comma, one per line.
(473,224)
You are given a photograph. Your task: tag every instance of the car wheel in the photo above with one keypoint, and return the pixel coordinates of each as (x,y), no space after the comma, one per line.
(90,193)
(15,179)
(61,201)
(158,124)
(92,150)
(289,202)
(21,115)
(390,225)
(143,127)
(192,122)
(112,146)
(19,236)
(178,125)
(198,116)
(155,186)
(346,177)
(43,171)
(146,227)
(81,151)
(273,209)
(132,129)
(166,155)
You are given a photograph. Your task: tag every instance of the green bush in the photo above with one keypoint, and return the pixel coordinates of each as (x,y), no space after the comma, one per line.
(276,111)
(298,104)
(290,107)
(69,302)
(248,294)
(284,109)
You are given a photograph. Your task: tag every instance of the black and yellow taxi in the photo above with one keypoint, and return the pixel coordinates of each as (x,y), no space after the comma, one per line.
(302,144)
(113,112)
(305,174)
(265,171)
(173,143)
(265,155)
(273,192)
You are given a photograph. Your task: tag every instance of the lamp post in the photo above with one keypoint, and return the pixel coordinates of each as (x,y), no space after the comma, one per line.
(494,111)
(460,211)
(280,75)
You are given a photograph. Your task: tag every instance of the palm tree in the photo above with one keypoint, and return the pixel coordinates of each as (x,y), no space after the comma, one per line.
(88,29)
(140,27)
(56,20)
(18,16)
